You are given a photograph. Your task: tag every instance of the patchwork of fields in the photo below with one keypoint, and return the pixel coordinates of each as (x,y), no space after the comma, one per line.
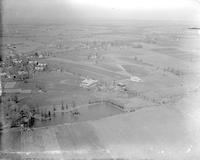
(158,127)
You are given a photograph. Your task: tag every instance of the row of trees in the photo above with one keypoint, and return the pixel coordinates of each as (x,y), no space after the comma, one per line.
(105,44)
(145,98)
(173,71)
(166,69)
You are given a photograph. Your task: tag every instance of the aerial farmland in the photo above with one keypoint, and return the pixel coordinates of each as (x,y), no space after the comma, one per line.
(108,89)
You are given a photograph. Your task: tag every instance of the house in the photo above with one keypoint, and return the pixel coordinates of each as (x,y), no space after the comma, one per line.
(41,67)
(33,62)
(16,61)
(120,84)
(21,75)
(41,56)
(42,64)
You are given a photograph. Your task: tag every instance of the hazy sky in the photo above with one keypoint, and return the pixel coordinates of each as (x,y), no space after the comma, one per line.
(61,10)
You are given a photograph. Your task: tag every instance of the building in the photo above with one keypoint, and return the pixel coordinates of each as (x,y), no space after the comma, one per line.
(135,79)
(3,74)
(33,62)
(41,66)
(120,84)
(16,61)
(88,83)
(40,56)
(21,75)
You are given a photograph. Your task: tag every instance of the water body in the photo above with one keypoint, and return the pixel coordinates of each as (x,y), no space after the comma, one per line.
(91,112)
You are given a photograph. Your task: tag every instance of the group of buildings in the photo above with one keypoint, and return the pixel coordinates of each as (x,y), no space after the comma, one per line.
(21,67)
(88,83)
(113,86)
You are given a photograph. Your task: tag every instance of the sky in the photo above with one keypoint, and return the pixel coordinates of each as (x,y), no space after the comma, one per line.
(80,10)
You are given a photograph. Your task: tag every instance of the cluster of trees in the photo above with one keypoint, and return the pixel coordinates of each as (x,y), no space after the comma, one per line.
(67,107)
(167,69)
(25,115)
(173,71)
(20,115)
(145,98)
(105,44)
(138,59)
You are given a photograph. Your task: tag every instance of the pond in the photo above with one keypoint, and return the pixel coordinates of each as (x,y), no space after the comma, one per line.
(90,112)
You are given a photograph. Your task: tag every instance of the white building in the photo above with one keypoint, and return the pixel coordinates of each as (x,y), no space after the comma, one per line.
(42,64)
(40,56)
(135,79)
(32,62)
(88,83)
(39,68)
